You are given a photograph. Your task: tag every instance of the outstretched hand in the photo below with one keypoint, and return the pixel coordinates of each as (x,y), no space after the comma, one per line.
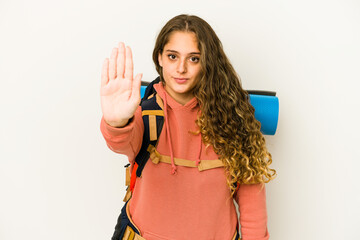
(120,92)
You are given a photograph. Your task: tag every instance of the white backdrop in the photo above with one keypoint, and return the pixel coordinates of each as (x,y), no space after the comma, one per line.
(58,180)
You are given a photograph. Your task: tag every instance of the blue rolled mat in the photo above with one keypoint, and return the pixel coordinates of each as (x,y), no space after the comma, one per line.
(266,106)
(266,112)
(142,90)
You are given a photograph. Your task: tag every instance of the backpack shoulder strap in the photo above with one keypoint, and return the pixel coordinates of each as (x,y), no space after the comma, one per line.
(149,89)
(153,118)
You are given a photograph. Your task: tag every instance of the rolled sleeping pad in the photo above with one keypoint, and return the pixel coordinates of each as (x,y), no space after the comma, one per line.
(266,106)
(142,89)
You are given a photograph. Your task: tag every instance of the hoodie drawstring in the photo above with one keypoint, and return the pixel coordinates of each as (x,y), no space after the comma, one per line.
(199,153)
(173,166)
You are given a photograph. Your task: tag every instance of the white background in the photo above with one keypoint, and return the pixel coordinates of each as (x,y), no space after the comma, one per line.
(58,179)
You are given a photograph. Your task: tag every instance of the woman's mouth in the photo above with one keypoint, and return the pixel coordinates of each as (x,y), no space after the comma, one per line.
(181,80)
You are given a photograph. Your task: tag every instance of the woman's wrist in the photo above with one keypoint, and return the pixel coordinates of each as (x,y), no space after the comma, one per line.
(118,124)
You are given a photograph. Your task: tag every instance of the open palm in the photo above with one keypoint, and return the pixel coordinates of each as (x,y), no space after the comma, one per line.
(120,92)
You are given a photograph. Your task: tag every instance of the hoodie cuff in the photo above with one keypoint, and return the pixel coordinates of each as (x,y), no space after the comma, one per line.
(114,131)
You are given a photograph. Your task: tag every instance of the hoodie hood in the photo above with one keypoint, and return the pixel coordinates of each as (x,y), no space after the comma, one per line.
(171,103)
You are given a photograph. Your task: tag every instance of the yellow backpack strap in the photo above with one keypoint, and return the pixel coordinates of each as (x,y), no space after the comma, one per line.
(127,175)
(159,101)
(127,195)
(152,117)
(127,183)
(152,122)
(156,157)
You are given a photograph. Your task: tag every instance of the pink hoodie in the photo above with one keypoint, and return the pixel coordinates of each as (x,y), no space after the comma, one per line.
(177,202)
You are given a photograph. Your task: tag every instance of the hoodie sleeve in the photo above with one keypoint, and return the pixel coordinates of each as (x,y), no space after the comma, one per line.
(251,199)
(126,140)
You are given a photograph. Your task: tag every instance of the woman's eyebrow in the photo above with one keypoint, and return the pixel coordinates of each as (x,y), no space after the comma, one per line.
(174,51)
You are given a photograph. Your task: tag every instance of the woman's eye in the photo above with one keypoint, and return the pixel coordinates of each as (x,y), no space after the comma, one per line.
(194,59)
(172,56)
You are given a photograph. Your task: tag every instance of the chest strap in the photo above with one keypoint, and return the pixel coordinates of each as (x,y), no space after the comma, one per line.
(156,157)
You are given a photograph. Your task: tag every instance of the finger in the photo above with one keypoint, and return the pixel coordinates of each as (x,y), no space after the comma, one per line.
(105,72)
(135,92)
(121,60)
(112,65)
(128,64)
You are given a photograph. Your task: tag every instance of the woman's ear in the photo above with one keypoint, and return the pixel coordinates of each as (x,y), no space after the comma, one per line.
(160,60)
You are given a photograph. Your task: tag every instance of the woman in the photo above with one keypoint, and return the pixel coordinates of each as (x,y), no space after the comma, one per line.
(208,118)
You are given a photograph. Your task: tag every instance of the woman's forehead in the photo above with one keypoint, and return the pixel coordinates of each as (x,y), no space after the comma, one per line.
(182,42)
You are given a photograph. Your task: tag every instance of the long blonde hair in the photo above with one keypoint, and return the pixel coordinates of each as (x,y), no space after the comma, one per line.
(226,121)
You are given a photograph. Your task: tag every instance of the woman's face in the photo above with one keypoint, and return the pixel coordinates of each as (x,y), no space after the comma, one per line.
(180,62)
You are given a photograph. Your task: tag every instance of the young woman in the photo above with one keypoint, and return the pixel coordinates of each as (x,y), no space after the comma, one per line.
(208,121)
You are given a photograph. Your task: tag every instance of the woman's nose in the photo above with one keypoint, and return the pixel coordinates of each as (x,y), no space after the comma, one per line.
(181,68)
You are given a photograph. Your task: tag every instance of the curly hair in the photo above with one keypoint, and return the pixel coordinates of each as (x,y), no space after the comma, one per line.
(226,120)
